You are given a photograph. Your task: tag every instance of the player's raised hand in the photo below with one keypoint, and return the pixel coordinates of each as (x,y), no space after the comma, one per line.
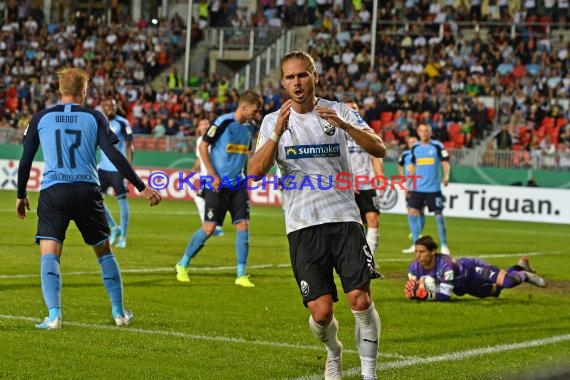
(283,117)
(21,206)
(331,116)
(152,195)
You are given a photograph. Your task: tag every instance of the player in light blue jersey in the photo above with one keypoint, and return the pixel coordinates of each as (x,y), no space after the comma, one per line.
(110,176)
(404,167)
(199,167)
(224,151)
(69,135)
(425,190)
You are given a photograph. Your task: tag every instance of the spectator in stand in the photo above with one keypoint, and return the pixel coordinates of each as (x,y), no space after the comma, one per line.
(489,157)
(159,129)
(548,152)
(467,128)
(504,139)
(480,119)
(564,134)
(440,131)
(563,156)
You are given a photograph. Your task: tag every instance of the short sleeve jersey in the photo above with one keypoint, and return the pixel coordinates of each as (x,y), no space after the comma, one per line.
(428,158)
(230,143)
(312,150)
(69,135)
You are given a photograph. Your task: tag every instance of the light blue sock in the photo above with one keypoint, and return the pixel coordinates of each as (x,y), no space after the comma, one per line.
(422,222)
(441,229)
(242,251)
(51,284)
(194,246)
(113,282)
(414,222)
(110,221)
(124,212)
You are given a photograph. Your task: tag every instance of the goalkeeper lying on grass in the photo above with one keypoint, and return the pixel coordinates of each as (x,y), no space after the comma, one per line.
(434,277)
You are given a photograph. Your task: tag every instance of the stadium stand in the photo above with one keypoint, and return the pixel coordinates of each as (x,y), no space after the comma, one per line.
(491,65)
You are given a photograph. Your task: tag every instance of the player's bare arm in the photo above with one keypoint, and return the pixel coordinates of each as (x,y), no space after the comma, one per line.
(446,171)
(130,150)
(263,159)
(367,139)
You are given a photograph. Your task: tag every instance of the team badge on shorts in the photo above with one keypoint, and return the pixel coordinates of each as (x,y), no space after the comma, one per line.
(304,288)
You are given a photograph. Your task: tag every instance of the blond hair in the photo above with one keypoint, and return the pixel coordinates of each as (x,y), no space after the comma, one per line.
(303,56)
(72,81)
(251,97)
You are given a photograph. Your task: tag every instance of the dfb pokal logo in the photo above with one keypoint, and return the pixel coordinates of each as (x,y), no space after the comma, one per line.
(389,200)
(9,176)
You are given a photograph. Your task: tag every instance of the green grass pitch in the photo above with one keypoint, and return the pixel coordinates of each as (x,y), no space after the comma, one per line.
(211,329)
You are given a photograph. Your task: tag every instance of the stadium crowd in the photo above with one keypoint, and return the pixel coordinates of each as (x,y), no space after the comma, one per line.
(427,69)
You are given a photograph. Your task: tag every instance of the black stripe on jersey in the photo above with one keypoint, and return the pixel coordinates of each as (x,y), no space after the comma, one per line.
(219,131)
(440,148)
(402,159)
(126,136)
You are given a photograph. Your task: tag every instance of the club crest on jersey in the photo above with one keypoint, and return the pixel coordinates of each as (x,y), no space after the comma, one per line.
(328,129)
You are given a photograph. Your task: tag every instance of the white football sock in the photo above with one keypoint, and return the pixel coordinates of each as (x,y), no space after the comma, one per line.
(372,239)
(327,335)
(367,334)
(201,205)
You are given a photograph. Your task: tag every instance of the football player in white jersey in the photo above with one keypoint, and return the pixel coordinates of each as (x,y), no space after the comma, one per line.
(308,138)
(202,127)
(367,196)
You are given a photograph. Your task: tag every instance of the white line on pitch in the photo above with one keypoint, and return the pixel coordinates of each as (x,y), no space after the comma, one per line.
(457,355)
(153,270)
(192,336)
(263,266)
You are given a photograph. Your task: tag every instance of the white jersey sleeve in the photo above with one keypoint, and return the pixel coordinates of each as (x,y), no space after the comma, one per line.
(203,171)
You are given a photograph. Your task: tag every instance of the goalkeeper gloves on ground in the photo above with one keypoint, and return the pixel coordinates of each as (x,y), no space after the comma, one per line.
(414,291)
